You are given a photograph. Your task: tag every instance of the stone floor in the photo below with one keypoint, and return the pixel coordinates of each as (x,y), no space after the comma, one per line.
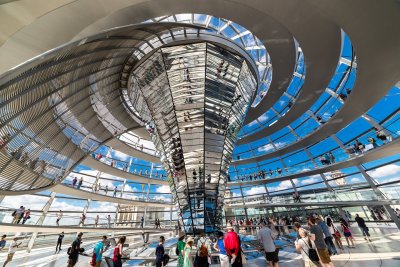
(384,250)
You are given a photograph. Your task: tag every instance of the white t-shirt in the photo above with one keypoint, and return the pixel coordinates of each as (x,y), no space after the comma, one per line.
(13,247)
(305,246)
(265,235)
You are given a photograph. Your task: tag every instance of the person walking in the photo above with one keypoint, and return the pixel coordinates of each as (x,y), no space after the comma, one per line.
(304,244)
(142,222)
(364,229)
(26,216)
(17,214)
(96,220)
(219,246)
(328,237)
(83,218)
(75,250)
(317,235)
(347,233)
(187,253)
(203,251)
(11,250)
(232,247)
(59,241)
(59,216)
(98,251)
(334,232)
(115,192)
(74,181)
(80,183)
(180,249)
(118,252)
(3,242)
(160,252)
(109,221)
(266,239)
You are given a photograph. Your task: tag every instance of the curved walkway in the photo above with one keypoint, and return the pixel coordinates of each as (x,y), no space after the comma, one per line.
(13,228)
(125,148)
(383,151)
(354,203)
(102,167)
(71,191)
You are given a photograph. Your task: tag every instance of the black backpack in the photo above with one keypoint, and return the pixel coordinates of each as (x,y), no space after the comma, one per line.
(166,259)
(177,250)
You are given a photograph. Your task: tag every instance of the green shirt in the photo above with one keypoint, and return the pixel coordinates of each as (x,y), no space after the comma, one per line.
(181,246)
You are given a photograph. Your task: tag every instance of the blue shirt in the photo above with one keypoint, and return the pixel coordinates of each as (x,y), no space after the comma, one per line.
(2,243)
(97,249)
(221,247)
(324,228)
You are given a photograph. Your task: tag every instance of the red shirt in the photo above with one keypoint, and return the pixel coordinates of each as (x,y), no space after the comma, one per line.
(231,243)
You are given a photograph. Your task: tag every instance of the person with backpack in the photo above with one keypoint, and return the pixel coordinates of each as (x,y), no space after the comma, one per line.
(347,233)
(98,252)
(17,214)
(74,250)
(203,251)
(180,246)
(160,253)
(363,227)
(307,249)
(219,246)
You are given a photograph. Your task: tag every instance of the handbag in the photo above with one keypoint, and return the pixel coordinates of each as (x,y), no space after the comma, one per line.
(336,232)
(312,253)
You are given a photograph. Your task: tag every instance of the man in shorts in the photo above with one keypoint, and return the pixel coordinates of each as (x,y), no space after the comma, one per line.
(317,235)
(266,239)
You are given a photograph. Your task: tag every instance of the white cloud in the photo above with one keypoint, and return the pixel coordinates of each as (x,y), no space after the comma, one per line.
(163,189)
(283,185)
(310,180)
(255,191)
(385,171)
(29,201)
(119,155)
(269,147)
(355,180)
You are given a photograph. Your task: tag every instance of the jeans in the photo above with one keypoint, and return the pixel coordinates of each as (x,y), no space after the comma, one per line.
(365,231)
(331,246)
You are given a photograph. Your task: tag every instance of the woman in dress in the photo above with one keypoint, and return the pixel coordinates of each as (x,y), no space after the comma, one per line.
(118,252)
(181,249)
(187,258)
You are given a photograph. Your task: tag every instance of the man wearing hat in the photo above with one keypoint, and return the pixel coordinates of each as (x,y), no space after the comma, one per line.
(232,247)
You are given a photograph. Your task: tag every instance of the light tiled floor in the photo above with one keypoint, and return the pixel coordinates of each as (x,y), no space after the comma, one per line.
(383,251)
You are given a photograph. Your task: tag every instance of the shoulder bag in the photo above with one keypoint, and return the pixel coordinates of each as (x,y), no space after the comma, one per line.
(312,253)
